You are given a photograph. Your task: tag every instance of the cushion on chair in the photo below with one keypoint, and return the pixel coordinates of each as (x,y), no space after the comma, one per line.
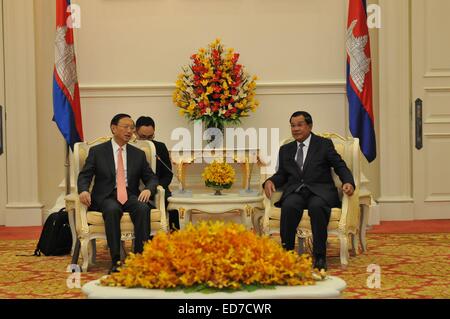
(124,228)
(275,216)
(100,229)
(96,218)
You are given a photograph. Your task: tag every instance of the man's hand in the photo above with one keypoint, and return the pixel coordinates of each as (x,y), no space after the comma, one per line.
(85,198)
(144,196)
(348,189)
(269,189)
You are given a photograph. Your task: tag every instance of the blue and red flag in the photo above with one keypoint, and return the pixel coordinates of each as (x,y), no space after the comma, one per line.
(66,94)
(359,79)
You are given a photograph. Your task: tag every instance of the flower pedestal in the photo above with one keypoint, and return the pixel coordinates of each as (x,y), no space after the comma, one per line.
(217,190)
(330,287)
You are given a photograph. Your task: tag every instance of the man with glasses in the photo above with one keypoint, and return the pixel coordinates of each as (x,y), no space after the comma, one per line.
(118,169)
(145,130)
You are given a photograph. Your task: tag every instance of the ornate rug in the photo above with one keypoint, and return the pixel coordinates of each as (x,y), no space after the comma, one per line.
(395,266)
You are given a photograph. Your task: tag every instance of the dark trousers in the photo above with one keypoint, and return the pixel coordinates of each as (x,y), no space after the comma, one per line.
(174,218)
(112,212)
(292,212)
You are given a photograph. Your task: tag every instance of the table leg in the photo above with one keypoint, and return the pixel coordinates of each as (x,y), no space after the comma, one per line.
(246,216)
(182,217)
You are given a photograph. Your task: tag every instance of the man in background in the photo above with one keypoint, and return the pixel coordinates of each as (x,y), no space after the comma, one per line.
(145,130)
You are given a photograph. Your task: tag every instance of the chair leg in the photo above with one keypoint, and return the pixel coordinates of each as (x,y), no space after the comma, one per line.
(85,254)
(76,252)
(343,239)
(301,245)
(355,245)
(93,251)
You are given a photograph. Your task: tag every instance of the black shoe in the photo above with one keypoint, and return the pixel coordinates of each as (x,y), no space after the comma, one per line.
(320,263)
(114,267)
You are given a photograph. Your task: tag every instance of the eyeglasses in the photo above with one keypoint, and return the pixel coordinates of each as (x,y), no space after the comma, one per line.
(128,127)
(145,137)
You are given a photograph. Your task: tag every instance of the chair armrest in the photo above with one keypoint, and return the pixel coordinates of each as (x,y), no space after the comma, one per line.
(350,212)
(268,206)
(73,203)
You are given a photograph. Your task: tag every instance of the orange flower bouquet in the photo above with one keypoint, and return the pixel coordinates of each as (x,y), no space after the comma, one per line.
(215,88)
(212,255)
(219,175)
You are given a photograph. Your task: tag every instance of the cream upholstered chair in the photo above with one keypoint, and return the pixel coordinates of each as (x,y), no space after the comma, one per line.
(90,226)
(344,222)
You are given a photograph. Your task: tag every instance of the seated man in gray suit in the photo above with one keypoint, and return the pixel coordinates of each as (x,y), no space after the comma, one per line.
(118,169)
(304,173)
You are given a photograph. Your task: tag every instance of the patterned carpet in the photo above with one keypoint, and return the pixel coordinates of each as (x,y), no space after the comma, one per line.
(412,266)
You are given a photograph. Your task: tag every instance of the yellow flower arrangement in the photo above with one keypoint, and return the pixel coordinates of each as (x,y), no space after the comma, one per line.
(215,88)
(219,174)
(214,255)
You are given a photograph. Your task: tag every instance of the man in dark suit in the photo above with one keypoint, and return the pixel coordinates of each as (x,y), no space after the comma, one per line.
(118,169)
(145,130)
(304,173)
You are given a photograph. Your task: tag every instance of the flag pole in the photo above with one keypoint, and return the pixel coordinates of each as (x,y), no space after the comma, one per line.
(75,247)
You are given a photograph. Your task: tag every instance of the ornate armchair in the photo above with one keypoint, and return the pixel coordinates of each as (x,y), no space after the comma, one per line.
(89,225)
(344,222)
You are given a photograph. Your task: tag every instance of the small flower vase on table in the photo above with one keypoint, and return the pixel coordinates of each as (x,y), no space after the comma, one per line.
(218,188)
(219,176)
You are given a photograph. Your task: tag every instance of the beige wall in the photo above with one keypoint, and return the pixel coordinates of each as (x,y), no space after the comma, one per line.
(130,52)
(51,154)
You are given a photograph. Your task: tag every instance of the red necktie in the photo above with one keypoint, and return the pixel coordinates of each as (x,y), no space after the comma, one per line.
(122,196)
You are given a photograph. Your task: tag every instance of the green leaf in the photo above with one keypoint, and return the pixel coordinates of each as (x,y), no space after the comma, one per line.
(209,290)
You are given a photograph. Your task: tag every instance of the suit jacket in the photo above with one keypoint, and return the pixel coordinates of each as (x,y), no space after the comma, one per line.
(316,175)
(164,174)
(100,163)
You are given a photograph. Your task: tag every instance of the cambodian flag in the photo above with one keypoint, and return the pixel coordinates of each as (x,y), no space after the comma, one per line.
(359,78)
(66,94)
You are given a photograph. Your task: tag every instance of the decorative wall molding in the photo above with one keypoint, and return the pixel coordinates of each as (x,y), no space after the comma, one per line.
(437,74)
(395,199)
(23,216)
(396,211)
(166,89)
(438,135)
(438,89)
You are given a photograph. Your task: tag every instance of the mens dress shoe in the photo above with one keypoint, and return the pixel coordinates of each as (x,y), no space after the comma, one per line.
(320,263)
(114,268)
